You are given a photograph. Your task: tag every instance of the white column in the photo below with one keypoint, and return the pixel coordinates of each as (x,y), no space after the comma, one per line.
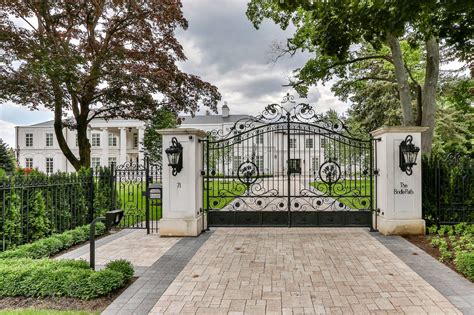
(182,194)
(141,135)
(104,143)
(123,146)
(398,194)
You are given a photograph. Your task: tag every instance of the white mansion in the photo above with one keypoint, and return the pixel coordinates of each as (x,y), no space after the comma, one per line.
(117,141)
(112,142)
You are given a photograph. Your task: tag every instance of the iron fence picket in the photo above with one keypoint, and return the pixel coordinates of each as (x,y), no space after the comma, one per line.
(448,189)
(62,198)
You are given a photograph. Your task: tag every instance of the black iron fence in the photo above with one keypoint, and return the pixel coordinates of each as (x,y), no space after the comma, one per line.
(132,183)
(448,189)
(36,205)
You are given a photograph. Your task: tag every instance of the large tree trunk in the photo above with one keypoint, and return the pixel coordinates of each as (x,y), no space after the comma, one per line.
(58,125)
(402,80)
(429,93)
(83,142)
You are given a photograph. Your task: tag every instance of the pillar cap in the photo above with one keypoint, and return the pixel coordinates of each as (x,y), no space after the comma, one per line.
(398,129)
(183,131)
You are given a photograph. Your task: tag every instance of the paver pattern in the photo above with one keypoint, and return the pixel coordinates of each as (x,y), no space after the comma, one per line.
(457,289)
(142,295)
(141,249)
(296,271)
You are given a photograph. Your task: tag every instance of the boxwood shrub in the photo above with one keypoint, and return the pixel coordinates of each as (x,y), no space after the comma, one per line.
(49,246)
(55,278)
(465,264)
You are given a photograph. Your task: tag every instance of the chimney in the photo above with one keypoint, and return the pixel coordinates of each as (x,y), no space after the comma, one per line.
(225,110)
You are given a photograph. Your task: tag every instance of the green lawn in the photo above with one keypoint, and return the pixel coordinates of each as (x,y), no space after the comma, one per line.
(226,190)
(131,200)
(350,189)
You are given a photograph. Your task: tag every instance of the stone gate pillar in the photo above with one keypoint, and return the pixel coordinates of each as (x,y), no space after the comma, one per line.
(183,194)
(398,194)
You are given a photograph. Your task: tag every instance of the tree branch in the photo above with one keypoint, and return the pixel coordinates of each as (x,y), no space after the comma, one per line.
(343,63)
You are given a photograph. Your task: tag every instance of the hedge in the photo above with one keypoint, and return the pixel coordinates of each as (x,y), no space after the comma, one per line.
(465,264)
(49,246)
(60,278)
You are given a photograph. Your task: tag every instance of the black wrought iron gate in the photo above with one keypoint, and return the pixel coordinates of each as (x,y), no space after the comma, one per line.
(288,166)
(132,183)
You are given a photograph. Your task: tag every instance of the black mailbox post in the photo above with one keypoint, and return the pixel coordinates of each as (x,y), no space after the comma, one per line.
(112,218)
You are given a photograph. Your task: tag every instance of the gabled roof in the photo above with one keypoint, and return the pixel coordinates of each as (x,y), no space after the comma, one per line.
(44,124)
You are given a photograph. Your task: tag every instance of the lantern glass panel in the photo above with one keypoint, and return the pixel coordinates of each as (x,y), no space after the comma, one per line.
(174,158)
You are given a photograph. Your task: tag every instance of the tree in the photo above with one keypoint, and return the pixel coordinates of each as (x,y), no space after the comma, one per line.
(454,129)
(334,31)
(162,118)
(7,161)
(96,59)
(371,87)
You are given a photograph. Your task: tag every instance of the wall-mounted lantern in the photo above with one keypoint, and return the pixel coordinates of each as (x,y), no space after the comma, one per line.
(175,156)
(408,155)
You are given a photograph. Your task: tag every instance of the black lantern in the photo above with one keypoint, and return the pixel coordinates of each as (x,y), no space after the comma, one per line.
(175,156)
(408,155)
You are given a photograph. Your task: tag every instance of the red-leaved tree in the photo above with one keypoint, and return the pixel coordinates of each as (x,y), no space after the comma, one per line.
(96,59)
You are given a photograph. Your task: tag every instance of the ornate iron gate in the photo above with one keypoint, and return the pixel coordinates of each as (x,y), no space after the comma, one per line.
(288,166)
(132,181)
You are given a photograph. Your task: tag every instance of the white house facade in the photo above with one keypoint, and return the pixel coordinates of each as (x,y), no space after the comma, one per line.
(112,142)
(117,141)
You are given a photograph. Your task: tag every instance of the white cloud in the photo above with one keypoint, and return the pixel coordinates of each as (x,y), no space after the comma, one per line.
(7,132)
(224,49)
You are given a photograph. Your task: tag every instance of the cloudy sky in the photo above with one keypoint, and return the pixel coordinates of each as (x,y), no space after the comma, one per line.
(224,49)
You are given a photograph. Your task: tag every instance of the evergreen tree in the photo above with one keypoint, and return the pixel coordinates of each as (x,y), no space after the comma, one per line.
(7,160)
(162,118)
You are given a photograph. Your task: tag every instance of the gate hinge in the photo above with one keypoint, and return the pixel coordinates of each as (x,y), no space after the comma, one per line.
(203,173)
(377,172)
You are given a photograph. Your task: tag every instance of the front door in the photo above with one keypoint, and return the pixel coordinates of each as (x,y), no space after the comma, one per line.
(295,166)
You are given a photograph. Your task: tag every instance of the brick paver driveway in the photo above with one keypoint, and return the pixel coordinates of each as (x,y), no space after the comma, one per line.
(298,270)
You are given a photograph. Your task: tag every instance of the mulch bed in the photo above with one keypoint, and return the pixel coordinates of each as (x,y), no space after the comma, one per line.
(61,303)
(423,242)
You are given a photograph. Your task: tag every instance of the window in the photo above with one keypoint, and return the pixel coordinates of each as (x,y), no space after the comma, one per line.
(112,140)
(112,161)
(49,139)
(259,138)
(259,162)
(292,143)
(315,164)
(95,162)
(29,139)
(323,141)
(309,143)
(29,162)
(135,140)
(49,165)
(96,139)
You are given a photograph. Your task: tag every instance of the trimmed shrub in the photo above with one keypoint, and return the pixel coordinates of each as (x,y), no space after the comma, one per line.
(53,278)
(465,264)
(49,246)
(38,221)
(123,266)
